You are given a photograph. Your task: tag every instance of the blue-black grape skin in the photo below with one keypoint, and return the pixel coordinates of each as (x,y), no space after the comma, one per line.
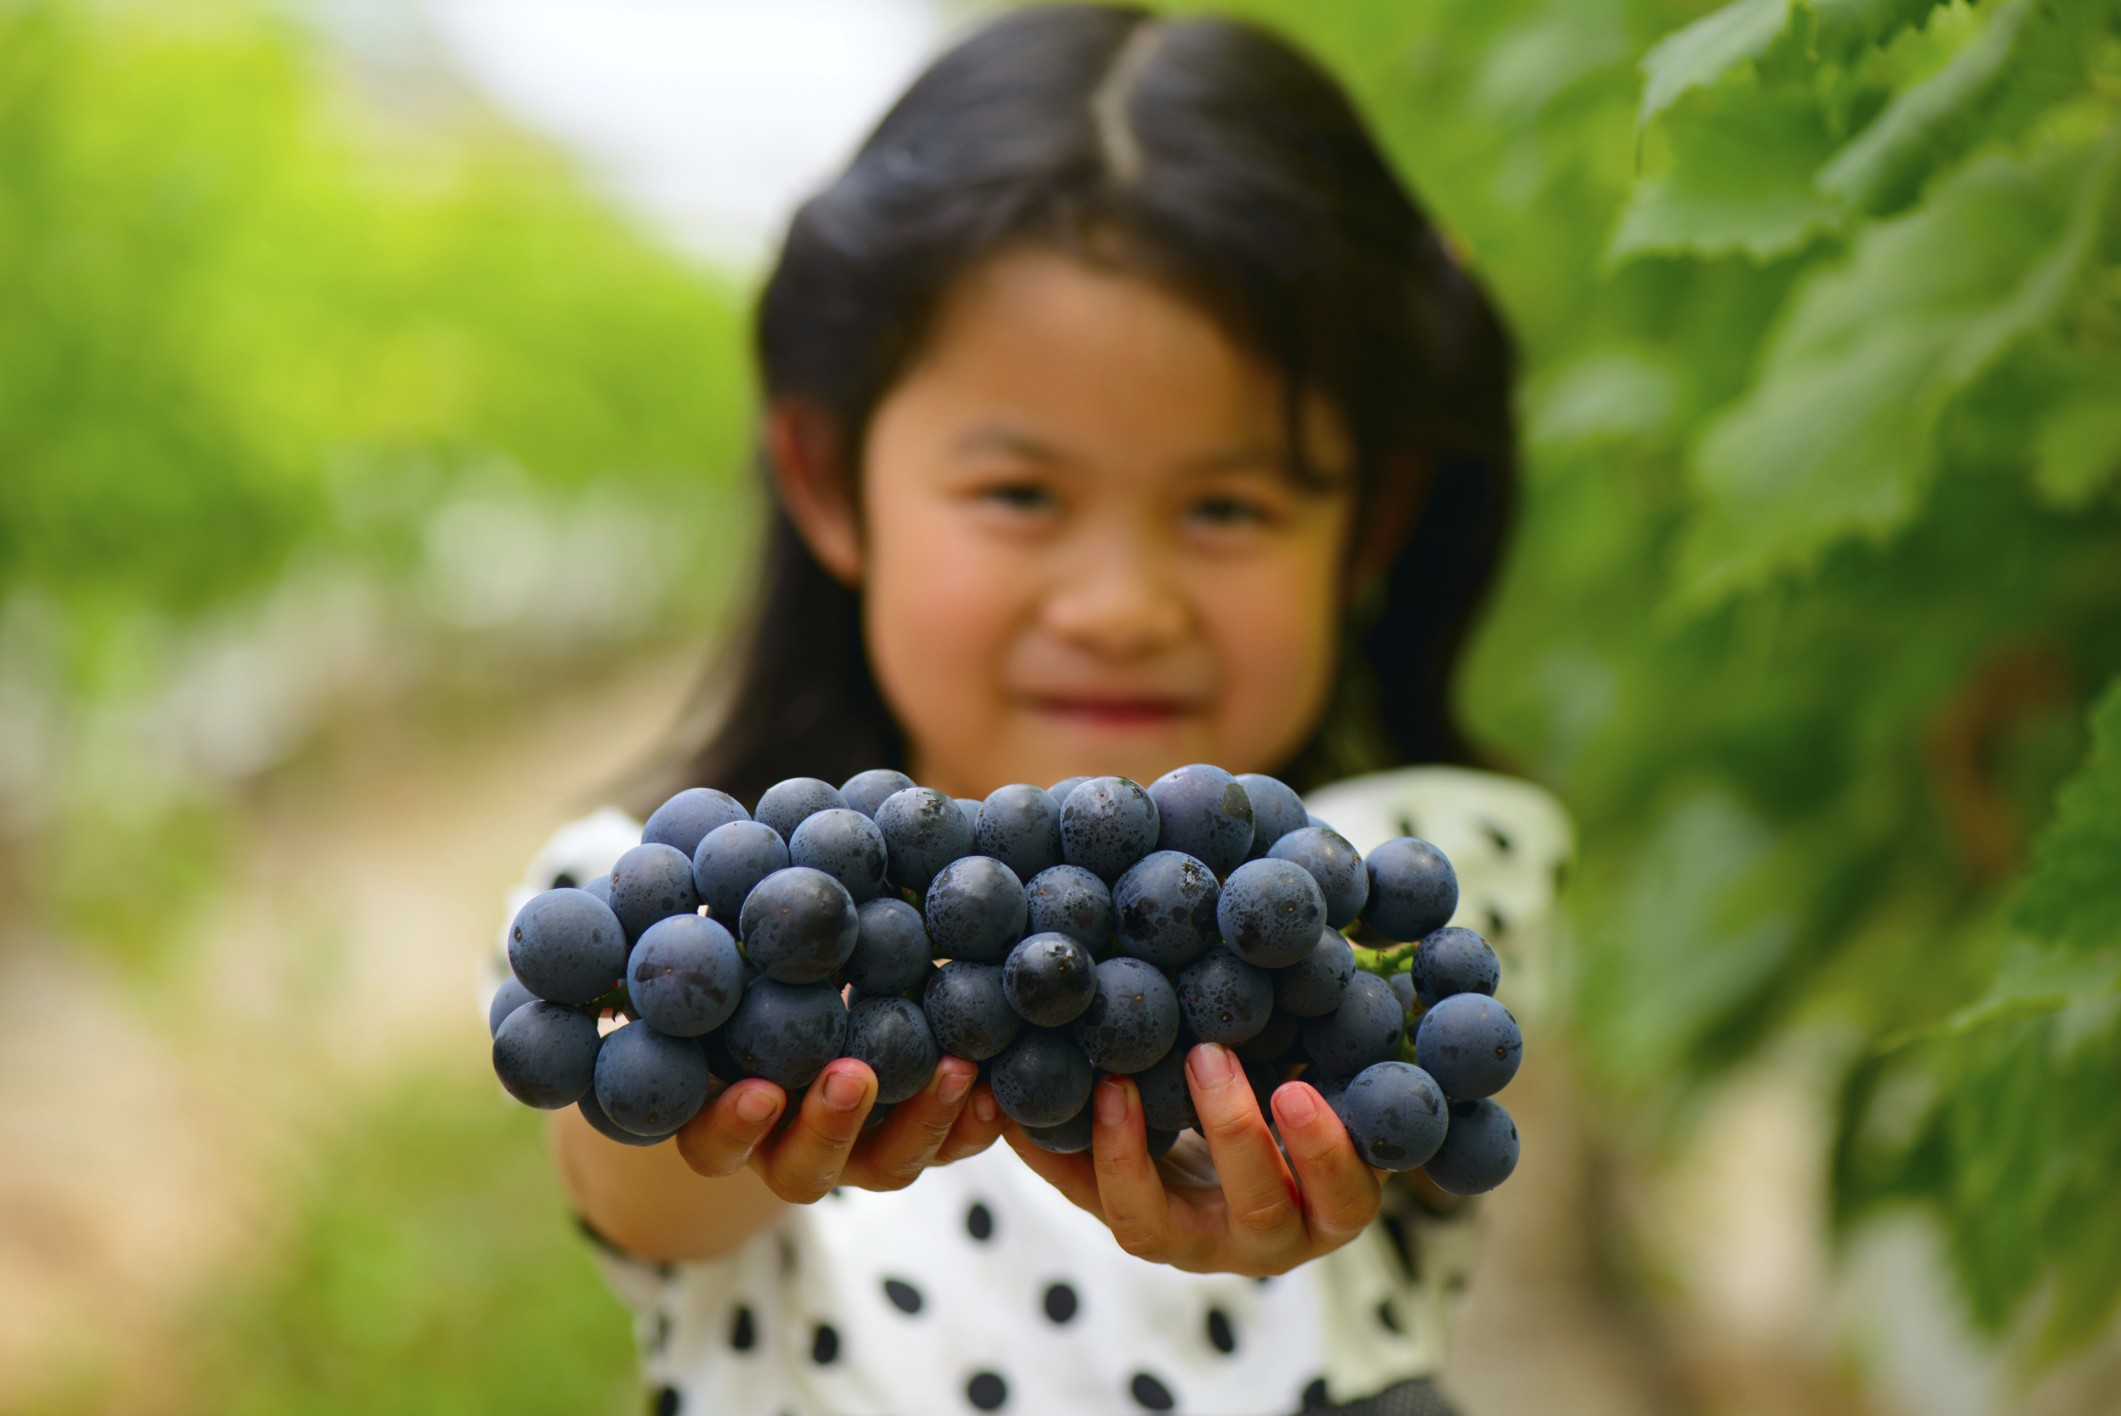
(1224,999)
(1470,1044)
(651,882)
(1163,909)
(1280,1040)
(1059,790)
(893,1037)
(1068,1138)
(1314,985)
(890,949)
(1203,812)
(1167,1103)
(923,832)
(611,1130)
(686,976)
(1107,824)
(546,1054)
(975,910)
(1330,1090)
(970,809)
(1276,810)
(785,805)
(1413,890)
(1403,990)
(567,946)
(799,925)
(1367,1027)
(1395,1113)
(866,791)
(649,1082)
(730,863)
(1159,1141)
(1453,960)
(1132,1021)
(786,1032)
(846,845)
(601,888)
(1019,825)
(681,821)
(1478,1152)
(1049,979)
(1270,913)
(510,996)
(968,1010)
(1068,899)
(1335,864)
(1041,1079)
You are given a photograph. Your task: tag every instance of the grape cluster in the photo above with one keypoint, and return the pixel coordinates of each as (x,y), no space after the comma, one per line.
(1050,935)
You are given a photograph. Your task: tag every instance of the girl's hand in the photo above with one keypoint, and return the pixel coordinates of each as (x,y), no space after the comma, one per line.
(824,1145)
(1236,1209)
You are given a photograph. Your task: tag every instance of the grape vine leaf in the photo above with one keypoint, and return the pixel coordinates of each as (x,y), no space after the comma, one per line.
(1741,181)
(1867,21)
(2072,894)
(1703,52)
(2077,448)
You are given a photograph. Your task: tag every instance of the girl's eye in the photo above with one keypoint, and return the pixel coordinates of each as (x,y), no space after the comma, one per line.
(1020,496)
(1222,511)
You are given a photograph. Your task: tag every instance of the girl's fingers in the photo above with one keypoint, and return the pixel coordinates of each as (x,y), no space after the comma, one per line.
(723,1135)
(903,1146)
(1137,1210)
(978,1126)
(802,1165)
(1072,1175)
(1259,1195)
(1340,1192)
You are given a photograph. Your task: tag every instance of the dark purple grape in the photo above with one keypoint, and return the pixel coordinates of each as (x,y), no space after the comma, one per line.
(730,863)
(786,805)
(1453,960)
(846,845)
(893,1037)
(866,791)
(652,882)
(510,996)
(1330,1090)
(1049,979)
(649,1082)
(1224,999)
(786,1032)
(799,925)
(1060,789)
(1270,913)
(1367,1027)
(610,1129)
(1163,909)
(1159,1142)
(685,976)
(1478,1152)
(891,949)
(968,1011)
(683,820)
(1470,1044)
(546,1054)
(566,946)
(1019,826)
(1132,1021)
(923,832)
(1068,1138)
(601,888)
(1203,812)
(1279,1040)
(1403,990)
(1395,1114)
(1334,864)
(1314,985)
(1167,1103)
(1413,890)
(970,809)
(1276,811)
(1042,1078)
(1068,899)
(975,910)
(1107,824)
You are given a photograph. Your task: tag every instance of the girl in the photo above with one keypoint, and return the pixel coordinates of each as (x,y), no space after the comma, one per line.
(1122,411)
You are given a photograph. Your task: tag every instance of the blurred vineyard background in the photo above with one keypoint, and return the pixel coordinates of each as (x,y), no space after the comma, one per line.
(372,483)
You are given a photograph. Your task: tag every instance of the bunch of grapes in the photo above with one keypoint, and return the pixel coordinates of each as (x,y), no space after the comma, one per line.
(1048,934)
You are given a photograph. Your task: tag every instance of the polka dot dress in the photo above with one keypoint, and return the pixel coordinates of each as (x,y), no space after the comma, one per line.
(980,1288)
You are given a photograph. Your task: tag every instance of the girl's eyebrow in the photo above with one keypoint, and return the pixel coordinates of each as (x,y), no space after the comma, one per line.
(997,437)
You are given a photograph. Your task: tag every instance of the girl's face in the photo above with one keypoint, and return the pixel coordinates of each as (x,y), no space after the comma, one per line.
(1082,547)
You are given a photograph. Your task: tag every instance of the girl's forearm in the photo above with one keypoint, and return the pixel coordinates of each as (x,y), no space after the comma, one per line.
(649,1202)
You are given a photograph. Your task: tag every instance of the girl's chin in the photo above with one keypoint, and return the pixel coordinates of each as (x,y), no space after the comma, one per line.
(1126,743)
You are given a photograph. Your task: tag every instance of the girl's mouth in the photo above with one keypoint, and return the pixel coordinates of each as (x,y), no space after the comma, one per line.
(1114,710)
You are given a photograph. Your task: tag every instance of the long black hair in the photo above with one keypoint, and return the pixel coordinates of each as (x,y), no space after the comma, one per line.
(1204,154)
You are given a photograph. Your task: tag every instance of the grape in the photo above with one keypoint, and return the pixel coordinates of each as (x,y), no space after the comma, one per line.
(1334,864)
(865,791)
(1470,1044)
(975,910)
(1453,960)
(1314,985)
(1478,1152)
(970,809)
(799,925)
(1403,990)
(1049,979)
(1107,824)
(715,1048)
(1413,889)
(1068,899)
(1270,912)
(685,976)
(1330,1091)
(566,946)
(1042,1078)
(510,996)
(1060,789)
(1163,909)
(786,805)
(1167,1103)
(923,832)
(879,1113)
(1276,811)
(892,1036)
(1224,999)
(1276,1041)
(546,1054)
(649,1082)
(1068,1138)
(1203,812)
(610,1129)
(890,950)
(651,882)
(601,888)
(1160,1141)
(730,863)
(1132,1021)
(846,845)
(1365,1028)
(681,821)
(786,1032)
(1020,827)
(968,1010)
(1394,1113)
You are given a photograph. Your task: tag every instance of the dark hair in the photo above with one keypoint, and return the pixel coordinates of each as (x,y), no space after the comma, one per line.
(1208,156)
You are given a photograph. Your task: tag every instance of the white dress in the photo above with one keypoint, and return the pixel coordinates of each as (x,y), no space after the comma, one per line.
(980,1288)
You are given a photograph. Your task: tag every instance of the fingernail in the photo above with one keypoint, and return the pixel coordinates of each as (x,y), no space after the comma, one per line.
(1296,1106)
(1111,1104)
(1211,1064)
(983,1106)
(756,1105)
(842,1091)
(954,1087)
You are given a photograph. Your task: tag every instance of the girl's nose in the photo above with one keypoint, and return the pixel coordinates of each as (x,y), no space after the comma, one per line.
(1122,606)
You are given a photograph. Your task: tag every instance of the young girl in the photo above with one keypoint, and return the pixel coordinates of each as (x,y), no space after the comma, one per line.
(1122,411)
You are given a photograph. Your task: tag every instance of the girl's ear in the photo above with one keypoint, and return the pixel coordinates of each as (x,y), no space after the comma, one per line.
(1387,520)
(804,449)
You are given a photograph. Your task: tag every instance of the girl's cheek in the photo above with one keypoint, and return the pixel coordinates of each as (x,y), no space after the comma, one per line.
(1275,634)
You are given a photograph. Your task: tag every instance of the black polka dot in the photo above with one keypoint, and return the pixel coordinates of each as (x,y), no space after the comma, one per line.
(1219,1331)
(1060,1302)
(660,1338)
(1389,1316)
(787,1255)
(664,1401)
(904,1296)
(1403,1247)
(565,881)
(825,1345)
(1495,924)
(1315,1394)
(1151,1394)
(979,1223)
(1495,834)
(743,1332)
(1264,1279)
(1456,1283)
(987,1391)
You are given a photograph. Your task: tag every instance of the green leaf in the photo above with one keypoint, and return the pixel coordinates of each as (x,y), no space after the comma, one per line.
(2077,448)
(2032,982)
(1706,50)
(1866,21)
(1741,181)
(2072,896)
